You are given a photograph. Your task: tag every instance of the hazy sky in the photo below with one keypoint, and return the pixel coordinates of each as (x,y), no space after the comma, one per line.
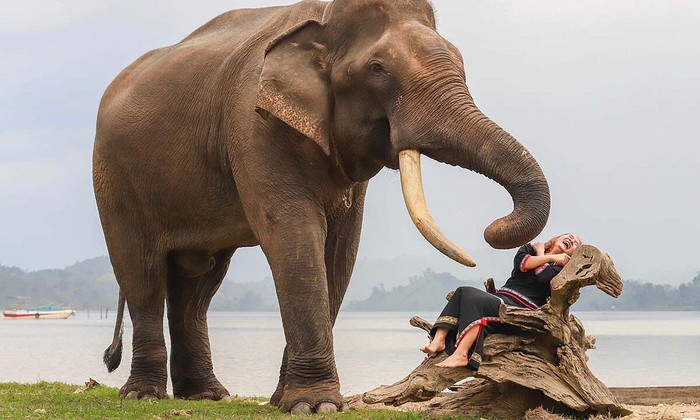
(606,96)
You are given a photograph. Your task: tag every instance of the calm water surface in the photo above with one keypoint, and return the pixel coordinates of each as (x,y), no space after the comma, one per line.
(634,349)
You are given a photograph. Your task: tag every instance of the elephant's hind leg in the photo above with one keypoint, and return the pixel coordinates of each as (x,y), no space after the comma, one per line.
(188,300)
(140,270)
(142,281)
(149,375)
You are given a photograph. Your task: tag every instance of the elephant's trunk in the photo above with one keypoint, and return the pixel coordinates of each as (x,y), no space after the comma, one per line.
(467,138)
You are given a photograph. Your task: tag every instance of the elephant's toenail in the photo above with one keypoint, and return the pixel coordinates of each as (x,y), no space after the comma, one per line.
(132,395)
(326,407)
(302,408)
(345,407)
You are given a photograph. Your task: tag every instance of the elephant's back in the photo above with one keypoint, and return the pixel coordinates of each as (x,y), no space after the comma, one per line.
(242,24)
(189,80)
(232,42)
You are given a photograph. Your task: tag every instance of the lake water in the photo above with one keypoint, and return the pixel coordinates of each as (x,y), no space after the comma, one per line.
(372,348)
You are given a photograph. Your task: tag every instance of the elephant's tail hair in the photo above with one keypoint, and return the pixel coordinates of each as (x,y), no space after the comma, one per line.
(113,354)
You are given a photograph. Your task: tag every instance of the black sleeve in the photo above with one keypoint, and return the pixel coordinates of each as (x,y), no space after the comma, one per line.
(520,256)
(547,272)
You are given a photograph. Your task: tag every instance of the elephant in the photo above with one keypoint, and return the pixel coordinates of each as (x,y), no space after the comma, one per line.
(263,128)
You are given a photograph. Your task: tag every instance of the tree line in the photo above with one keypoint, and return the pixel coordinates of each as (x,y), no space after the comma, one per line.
(427,292)
(91,284)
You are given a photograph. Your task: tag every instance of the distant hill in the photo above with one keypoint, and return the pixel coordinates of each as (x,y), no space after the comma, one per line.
(427,292)
(85,284)
(638,296)
(377,285)
(397,271)
(249,265)
(91,284)
(422,293)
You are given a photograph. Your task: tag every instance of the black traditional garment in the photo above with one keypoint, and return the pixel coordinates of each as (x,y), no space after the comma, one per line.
(474,308)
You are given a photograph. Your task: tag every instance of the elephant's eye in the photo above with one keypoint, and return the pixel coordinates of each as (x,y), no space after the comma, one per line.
(377,68)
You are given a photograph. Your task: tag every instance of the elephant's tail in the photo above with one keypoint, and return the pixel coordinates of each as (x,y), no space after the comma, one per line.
(113,354)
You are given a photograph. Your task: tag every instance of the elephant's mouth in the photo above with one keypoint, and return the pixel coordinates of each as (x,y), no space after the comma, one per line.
(412,186)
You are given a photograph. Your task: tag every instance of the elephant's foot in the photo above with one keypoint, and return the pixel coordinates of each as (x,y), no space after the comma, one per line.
(188,389)
(277,396)
(136,390)
(308,400)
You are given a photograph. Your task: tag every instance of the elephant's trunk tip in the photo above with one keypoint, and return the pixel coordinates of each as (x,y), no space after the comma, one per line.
(528,219)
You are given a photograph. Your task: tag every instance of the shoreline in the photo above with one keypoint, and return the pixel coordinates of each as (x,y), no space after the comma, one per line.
(657,395)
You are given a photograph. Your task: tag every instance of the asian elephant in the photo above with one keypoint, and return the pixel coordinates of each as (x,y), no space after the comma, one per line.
(263,127)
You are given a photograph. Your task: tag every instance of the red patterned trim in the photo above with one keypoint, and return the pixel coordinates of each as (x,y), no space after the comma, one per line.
(541,268)
(519,297)
(478,323)
(522,263)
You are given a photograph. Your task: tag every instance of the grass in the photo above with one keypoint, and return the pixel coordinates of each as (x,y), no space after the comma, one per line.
(50,400)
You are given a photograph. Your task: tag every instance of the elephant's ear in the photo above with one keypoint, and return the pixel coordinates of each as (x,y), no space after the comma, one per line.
(294,85)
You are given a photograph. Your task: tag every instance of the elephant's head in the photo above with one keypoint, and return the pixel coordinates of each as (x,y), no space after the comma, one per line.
(375,85)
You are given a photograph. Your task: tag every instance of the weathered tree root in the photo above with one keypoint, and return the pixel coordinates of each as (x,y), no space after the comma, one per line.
(544,366)
(423,384)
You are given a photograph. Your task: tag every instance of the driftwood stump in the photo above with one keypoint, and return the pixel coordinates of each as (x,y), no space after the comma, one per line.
(544,366)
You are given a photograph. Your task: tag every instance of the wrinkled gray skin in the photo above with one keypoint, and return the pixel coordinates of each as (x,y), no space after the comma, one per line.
(252,131)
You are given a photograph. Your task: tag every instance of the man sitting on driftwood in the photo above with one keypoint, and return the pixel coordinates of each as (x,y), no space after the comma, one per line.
(540,360)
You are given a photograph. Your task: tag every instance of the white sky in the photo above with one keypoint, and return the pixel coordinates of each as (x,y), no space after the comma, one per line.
(604,94)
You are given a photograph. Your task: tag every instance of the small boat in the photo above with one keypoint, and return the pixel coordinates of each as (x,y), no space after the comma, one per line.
(18,307)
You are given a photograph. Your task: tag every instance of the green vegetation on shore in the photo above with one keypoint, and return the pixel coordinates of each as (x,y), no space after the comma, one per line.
(427,293)
(91,284)
(47,400)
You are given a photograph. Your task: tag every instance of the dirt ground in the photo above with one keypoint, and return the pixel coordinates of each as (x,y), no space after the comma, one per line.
(657,403)
(662,403)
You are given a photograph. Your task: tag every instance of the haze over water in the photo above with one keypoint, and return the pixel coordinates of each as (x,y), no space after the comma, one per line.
(371,348)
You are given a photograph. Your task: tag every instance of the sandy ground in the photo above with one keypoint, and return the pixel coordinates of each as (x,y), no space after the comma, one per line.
(658,403)
(663,403)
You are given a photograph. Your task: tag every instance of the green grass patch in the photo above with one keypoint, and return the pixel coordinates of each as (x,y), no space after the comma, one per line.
(50,400)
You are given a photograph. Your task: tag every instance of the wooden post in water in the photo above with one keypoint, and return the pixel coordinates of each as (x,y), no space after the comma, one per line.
(100,311)
(106,312)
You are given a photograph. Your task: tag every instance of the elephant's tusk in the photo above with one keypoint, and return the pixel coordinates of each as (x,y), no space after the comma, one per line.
(412,186)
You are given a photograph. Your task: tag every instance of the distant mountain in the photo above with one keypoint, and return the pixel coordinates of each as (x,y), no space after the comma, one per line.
(85,284)
(422,293)
(377,285)
(91,284)
(638,296)
(670,276)
(427,293)
(249,265)
(253,296)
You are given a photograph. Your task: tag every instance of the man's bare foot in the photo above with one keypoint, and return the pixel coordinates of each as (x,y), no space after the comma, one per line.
(456,360)
(433,348)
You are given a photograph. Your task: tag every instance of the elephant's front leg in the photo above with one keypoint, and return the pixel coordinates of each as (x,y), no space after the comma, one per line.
(342,241)
(296,252)
(344,228)
(191,366)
